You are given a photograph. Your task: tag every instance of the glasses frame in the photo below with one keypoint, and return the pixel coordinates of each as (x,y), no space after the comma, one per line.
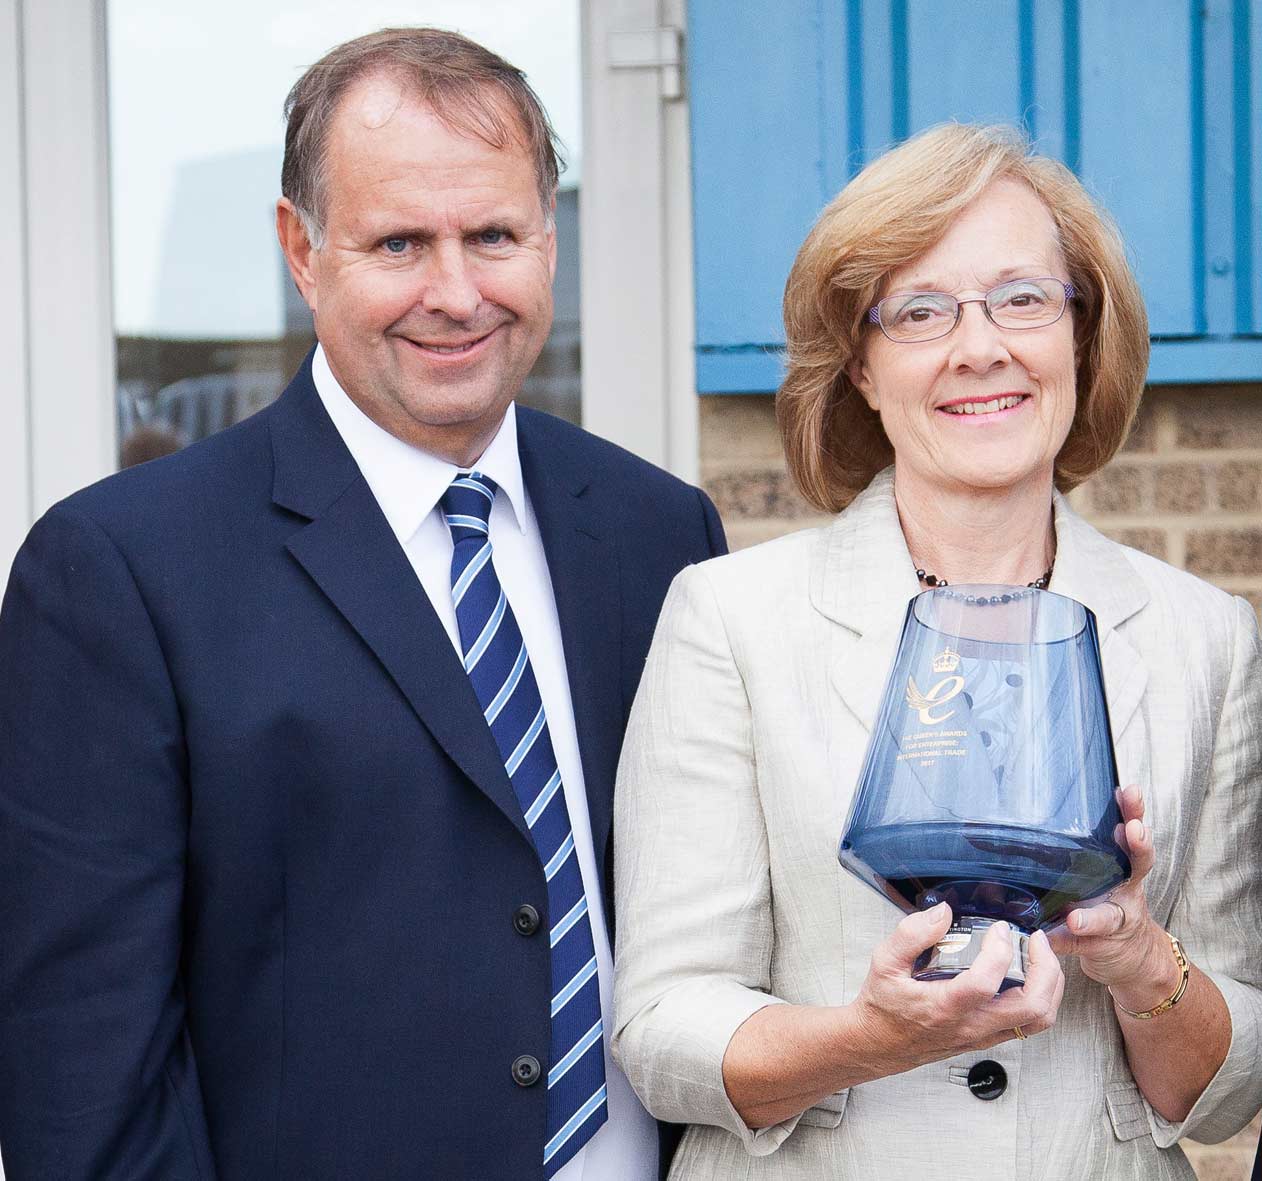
(874,312)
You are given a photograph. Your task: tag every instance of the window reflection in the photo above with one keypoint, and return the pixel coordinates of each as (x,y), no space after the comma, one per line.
(209,325)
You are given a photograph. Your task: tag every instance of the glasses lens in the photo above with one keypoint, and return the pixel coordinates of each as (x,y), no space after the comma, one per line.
(1026,303)
(922,315)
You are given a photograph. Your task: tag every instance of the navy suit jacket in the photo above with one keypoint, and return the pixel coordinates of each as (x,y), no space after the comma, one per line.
(261,858)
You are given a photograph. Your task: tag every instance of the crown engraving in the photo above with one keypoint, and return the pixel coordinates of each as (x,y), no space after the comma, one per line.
(946,661)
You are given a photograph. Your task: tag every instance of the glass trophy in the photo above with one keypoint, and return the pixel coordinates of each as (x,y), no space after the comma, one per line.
(990,779)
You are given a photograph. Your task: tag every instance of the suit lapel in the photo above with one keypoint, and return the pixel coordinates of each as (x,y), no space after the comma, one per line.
(351,554)
(583,565)
(1094,570)
(862,578)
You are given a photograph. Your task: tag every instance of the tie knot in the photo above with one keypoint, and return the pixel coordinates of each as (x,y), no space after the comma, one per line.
(467,505)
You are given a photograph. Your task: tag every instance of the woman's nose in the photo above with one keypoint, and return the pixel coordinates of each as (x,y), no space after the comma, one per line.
(977,344)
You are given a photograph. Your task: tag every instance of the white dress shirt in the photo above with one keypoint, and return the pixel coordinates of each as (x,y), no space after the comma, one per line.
(408,484)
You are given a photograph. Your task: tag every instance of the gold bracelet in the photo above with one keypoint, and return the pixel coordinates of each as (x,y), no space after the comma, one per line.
(1175,997)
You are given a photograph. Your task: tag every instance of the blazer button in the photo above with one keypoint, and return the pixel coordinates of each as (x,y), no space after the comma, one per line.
(987,1079)
(525,920)
(526,1070)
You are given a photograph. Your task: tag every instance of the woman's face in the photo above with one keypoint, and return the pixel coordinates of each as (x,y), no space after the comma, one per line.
(947,404)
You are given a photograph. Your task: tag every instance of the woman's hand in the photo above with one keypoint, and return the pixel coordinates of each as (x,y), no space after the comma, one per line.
(785,1058)
(1117,941)
(912,1022)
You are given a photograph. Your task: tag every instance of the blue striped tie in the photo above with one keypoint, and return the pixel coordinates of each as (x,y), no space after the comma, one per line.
(504,683)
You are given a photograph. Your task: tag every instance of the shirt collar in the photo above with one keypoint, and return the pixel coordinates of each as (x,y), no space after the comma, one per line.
(406,481)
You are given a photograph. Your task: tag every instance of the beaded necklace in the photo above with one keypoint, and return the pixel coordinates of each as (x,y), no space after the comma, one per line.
(1039,583)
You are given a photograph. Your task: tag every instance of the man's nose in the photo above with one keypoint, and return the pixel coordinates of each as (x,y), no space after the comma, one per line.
(977,344)
(449,283)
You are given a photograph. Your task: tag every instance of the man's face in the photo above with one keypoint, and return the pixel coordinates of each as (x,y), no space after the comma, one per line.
(432,291)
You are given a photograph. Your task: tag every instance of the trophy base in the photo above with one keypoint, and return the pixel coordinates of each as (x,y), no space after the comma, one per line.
(962,944)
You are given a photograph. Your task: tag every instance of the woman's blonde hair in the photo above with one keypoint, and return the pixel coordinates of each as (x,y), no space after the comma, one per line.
(891,213)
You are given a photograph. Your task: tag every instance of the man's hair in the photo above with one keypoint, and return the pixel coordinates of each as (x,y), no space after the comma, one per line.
(898,207)
(471,89)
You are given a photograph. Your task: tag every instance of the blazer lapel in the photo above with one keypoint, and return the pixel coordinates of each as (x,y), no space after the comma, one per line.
(583,564)
(352,555)
(1094,570)
(862,578)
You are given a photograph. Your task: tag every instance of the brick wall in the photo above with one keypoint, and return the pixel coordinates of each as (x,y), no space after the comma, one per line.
(1187,487)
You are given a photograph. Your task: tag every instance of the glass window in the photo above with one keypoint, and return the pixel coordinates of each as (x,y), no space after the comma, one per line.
(209,325)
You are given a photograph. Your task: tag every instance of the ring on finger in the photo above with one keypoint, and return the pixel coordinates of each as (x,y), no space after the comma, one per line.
(1020,1032)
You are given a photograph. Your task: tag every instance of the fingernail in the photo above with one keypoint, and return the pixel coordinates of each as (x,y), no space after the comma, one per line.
(938,911)
(1041,935)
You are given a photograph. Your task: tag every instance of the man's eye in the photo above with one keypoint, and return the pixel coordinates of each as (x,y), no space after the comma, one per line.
(395,245)
(493,237)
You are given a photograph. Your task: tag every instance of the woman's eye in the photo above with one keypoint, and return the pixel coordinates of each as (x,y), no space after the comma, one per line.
(1026,296)
(920,311)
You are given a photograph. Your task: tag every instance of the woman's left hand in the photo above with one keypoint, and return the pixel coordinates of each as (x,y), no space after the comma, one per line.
(1116,940)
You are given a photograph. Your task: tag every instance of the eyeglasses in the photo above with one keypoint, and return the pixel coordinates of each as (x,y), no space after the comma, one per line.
(916,316)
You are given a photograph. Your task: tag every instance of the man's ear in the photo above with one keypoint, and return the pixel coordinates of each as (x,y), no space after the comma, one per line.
(861,379)
(298,249)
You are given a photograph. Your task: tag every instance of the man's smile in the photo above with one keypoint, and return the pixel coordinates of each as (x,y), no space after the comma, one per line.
(448,351)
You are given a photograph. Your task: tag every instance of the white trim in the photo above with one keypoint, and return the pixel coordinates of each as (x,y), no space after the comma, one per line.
(70,334)
(683,441)
(15,459)
(635,244)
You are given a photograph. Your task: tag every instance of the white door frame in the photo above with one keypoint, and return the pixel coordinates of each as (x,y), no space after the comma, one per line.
(56,322)
(635,220)
(15,427)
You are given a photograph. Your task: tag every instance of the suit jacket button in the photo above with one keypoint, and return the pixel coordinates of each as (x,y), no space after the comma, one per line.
(525,920)
(987,1079)
(526,1070)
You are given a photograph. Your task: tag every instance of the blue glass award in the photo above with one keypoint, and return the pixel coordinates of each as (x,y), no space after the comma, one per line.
(990,779)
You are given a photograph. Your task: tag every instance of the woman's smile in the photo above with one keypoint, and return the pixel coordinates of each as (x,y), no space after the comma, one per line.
(983,407)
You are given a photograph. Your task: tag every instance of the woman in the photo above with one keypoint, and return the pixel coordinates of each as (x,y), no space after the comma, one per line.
(966,343)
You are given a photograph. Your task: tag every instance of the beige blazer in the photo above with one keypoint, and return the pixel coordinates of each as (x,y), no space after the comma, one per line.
(743,750)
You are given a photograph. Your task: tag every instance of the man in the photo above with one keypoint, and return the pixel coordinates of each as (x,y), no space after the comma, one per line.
(310,731)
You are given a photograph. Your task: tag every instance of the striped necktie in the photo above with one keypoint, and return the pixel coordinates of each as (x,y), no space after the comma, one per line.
(495,659)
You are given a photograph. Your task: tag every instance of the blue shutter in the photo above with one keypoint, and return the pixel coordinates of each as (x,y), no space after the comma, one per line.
(1158,107)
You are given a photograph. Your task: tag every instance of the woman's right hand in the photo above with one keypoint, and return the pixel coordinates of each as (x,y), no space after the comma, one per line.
(785,1058)
(912,1022)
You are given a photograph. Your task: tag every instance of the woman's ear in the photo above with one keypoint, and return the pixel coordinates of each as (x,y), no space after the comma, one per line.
(861,379)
